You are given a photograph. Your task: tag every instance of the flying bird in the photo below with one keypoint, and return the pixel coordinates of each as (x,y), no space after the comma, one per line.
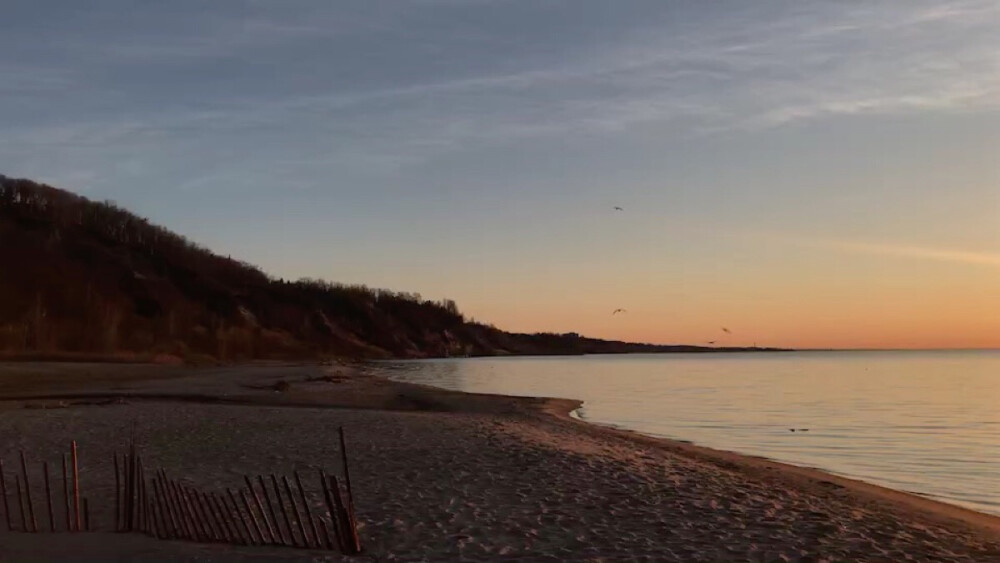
(726,330)
(711,342)
(618,208)
(616,311)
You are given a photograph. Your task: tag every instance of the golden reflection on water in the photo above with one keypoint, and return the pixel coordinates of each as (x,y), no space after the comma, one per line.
(921,421)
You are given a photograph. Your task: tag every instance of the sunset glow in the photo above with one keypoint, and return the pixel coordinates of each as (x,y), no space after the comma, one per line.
(821,176)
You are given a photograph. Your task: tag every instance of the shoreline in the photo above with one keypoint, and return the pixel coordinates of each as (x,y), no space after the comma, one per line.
(496,427)
(937,511)
(941,509)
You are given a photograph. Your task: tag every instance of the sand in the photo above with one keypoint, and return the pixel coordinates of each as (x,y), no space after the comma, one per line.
(448,476)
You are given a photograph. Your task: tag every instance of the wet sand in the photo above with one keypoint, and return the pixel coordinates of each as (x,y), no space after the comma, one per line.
(442,475)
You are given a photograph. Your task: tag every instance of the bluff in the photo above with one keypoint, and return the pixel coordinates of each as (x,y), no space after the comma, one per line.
(87,279)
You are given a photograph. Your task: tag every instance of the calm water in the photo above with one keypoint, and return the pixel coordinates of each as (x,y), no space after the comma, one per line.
(926,422)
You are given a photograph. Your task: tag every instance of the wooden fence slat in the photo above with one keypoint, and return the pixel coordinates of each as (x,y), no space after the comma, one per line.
(210,521)
(118,493)
(242,518)
(65,474)
(305,507)
(332,509)
(227,519)
(185,511)
(48,497)
(202,533)
(168,523)
(347,472)
(352,542)
(27,494)
(6,503)
(253,517)
(278,536)
(20,503)
(260,508)
(216,518)
(284,512)
(295,511)
(76,483)
(172,510)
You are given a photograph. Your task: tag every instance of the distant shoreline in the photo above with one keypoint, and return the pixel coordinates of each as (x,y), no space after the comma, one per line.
(149,359)
(164,359)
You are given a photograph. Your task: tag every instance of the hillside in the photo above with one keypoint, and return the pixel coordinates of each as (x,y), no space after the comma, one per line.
(89,279)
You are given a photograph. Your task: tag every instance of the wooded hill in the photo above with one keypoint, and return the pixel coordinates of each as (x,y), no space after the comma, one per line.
(89,279)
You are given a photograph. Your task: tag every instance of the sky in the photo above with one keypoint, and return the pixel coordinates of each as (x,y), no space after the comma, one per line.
(806,174)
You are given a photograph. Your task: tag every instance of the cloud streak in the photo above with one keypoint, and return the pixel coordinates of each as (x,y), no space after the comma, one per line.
(742,69)
(921,253)
(894,250)
(811,65)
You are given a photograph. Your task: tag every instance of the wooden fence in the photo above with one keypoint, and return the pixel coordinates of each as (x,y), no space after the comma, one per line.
(269,511)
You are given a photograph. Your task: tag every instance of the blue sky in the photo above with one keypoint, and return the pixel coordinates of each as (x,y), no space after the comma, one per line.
(777,161)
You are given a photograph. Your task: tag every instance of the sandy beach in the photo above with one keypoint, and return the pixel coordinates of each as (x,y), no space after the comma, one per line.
(442,475)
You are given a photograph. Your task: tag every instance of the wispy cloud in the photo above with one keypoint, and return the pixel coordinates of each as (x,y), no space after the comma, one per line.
(888,249)
(26,80)
(917,252)
(741,74)
(761,65)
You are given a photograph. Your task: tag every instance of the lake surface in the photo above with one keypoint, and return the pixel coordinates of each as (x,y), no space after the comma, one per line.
(926,422)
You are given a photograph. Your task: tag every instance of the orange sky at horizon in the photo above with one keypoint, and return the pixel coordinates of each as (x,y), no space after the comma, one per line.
(915,331)
(923,330)
(797,295)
